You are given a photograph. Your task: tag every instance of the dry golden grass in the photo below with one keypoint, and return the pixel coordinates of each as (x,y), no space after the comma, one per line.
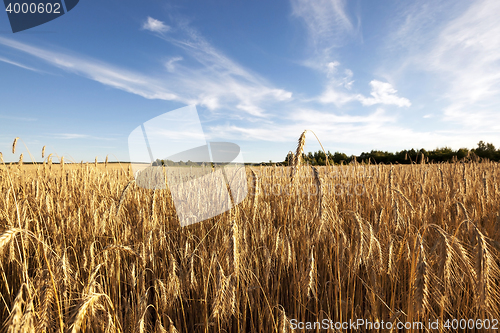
(84,249)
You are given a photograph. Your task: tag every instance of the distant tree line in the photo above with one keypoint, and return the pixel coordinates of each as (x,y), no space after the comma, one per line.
(180,163)
(446,154)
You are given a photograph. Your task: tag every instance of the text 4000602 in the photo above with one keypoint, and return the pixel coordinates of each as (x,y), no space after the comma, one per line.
(34,8)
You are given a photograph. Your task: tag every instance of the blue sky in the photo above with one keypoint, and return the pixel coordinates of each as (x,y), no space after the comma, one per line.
(363,75)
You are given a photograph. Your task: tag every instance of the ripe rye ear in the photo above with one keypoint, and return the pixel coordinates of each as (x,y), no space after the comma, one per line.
(297,160)
(255,196)
(14,144)
(421,282)
(312,277)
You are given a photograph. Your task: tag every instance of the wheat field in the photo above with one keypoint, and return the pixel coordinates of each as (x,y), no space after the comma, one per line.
(84,249)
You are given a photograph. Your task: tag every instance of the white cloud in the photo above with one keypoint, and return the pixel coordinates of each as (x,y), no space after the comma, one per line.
(456,46)
(7,61)
(415,23)
(332,95)
(467,55)
(347,133)
(155,25)
(338,90)
(211,102)
(70,136)
(372,130)
(220,83)
(105,73)
(312,116)
(170,64)
(290,127)
(328,26)
(251,109)
(383,93)
(73,136)
(326,21)
(332,74)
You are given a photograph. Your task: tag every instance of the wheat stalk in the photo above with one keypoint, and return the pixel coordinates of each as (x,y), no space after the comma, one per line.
(485,269)
(312,276)
(15,320)
(46,299)
(171,326)
(462,207)
(421,283)
(297,161)
(88,305)
(404,198)
(7,236)
(14,144)
(255,197)
(235,244)
(123,195)
(224,298)
(92,259)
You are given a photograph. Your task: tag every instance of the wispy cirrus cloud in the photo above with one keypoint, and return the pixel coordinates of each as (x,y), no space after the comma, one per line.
(73,136)
(17,118)
(105,73)
(326,21)
(170,64)
(415,24)
(456,45)
(219,83)
(15,63)
(328,24)
(467,54)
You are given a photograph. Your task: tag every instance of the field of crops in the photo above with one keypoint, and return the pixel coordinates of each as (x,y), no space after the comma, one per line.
(84,249)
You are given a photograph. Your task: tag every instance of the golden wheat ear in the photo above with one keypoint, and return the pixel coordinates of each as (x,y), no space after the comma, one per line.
(14,144)
(6,236)
(297,160)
